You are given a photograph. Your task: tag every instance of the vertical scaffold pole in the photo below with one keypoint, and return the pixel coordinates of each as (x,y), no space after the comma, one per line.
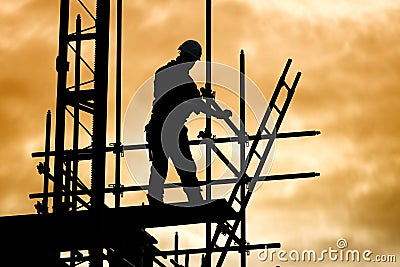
(100,103)
(118,107)
(208,127)
(78,46)
(47,164)
(100,126)
(242,111)
(62,69)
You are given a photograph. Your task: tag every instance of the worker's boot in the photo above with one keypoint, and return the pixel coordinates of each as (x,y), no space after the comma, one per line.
(194,195)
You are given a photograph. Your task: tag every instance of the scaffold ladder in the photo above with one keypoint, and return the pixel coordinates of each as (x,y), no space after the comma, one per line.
(229,228)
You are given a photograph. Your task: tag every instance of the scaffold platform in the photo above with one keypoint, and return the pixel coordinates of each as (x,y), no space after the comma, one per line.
(75,230)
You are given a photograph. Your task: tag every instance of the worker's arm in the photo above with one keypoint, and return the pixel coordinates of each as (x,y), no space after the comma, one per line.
(201,106)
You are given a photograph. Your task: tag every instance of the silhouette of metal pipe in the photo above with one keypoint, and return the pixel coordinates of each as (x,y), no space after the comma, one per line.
(274,177)
(220,249)
(75,164)
(47,163)
(242,134)
(118,97)
(207,260)
(62,66)
(88,151)
(63,193)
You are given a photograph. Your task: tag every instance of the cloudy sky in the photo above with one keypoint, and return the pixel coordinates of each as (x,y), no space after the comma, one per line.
(349,55)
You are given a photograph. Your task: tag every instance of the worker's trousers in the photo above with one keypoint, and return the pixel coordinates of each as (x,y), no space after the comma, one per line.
(173,145)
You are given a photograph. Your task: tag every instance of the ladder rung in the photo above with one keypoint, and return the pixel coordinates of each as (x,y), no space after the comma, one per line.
(236,238)
(266,130)
(238,200)
(230,231)
(277,109)
(286,86)
(227,227)
(257,154)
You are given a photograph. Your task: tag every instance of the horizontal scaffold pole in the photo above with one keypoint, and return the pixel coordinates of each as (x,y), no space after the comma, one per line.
(275,177)
(219,249)
(88,151)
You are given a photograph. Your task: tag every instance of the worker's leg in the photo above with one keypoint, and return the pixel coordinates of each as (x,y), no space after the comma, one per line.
(158,171)
(186,169)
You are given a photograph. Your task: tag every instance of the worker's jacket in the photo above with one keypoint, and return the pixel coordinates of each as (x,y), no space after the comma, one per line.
(173,90)
(173,86)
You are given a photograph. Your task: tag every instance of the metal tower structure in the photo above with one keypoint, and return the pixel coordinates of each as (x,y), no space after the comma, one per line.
(78,227)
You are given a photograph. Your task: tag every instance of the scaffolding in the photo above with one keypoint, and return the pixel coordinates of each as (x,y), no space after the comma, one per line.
(81,220)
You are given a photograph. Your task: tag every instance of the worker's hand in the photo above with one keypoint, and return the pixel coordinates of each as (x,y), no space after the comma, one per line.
(225,114)
(207,93)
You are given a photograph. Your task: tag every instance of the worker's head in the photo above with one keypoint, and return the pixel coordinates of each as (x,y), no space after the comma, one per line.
(190,51)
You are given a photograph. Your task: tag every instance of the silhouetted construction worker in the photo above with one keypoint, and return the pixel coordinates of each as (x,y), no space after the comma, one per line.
(175,97)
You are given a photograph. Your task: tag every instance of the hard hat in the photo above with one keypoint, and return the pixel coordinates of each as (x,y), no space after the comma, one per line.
(191,47)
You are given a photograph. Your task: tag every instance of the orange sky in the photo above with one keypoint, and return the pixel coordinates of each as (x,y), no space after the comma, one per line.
(349,54)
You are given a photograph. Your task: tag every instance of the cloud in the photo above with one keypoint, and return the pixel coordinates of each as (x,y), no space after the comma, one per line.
(27,85)
(348,92)
(349,59)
